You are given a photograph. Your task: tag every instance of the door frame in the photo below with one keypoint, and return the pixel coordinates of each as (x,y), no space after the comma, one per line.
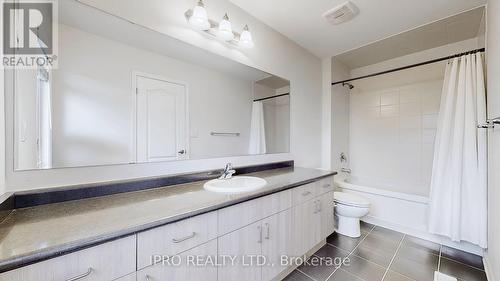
(136,75)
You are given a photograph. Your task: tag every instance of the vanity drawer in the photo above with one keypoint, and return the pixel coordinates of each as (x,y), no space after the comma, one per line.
(176,237)
(108,261)
(304,193)
(240,215)
(195,264)
(324,185)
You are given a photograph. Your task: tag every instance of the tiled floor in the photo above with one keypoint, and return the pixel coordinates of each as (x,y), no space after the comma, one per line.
(382,254)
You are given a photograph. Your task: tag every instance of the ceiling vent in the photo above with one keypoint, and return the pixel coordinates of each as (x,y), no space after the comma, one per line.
(341,13)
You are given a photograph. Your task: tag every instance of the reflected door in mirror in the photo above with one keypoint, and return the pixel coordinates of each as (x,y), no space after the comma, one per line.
(161,120)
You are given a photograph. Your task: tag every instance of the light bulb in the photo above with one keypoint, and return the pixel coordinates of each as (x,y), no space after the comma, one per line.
(199,18)
(225,31)
(246,38)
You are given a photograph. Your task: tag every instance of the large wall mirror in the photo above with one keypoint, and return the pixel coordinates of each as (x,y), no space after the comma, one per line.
(125,94)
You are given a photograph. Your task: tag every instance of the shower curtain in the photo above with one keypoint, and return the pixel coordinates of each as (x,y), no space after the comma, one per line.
(257,143)
(458,195)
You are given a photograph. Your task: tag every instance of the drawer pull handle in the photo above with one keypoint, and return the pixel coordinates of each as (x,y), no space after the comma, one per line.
(81,276)
(305,193)
(184,238)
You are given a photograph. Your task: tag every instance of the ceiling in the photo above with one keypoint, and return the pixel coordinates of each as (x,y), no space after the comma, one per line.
(446,31)
(301,20)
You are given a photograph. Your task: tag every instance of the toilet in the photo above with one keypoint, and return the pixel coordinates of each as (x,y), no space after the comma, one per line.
(349,208)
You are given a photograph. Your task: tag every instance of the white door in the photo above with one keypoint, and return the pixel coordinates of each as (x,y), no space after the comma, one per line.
(277,242)
(245,244)
(161,120)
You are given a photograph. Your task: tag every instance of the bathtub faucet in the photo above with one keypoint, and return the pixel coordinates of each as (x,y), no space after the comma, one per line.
(346,170)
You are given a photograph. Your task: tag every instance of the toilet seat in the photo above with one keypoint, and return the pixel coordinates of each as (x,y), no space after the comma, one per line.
(350,199)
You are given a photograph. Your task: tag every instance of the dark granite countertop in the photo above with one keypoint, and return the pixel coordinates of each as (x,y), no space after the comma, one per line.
(37,233)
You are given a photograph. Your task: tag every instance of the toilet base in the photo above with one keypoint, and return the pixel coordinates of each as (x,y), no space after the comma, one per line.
(348,226)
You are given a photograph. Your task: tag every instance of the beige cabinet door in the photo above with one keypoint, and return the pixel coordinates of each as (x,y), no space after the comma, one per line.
(194,264)
(326,209)
(244,245)
(277,242)
(306,222)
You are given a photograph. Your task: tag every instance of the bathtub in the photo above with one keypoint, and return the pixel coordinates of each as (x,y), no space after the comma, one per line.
(403,212)
(347,184)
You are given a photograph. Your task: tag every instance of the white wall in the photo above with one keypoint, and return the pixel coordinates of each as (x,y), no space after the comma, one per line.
(273,53)
(340,114)
(492,260)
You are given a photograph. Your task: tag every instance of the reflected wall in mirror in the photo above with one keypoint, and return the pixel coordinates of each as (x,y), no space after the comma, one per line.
(125,94)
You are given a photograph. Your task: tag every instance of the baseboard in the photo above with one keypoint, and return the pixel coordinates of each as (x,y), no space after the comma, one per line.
(488,269)
(466,247)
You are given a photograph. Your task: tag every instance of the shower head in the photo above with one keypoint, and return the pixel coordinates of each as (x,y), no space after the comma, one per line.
(351,86)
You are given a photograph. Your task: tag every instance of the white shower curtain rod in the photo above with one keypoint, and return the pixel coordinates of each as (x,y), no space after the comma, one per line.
(410,66)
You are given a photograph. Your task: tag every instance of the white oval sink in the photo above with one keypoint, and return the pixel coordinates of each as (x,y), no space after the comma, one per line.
(235,184)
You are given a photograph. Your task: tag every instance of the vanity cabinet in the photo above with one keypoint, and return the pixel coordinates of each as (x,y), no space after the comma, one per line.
(195,264)
(108,261)
(175,238)
(245,241)
(258,248)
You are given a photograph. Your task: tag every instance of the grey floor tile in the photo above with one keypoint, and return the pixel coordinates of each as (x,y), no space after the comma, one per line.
(463,257)
(364,269)
(297,276)
(366,227)
(344,242)
(461,271)
(331,252)
(379,242)
(342,275)
(380,256)
(394,276)
(386,234)
(318,268)
(417,244)
(419,267)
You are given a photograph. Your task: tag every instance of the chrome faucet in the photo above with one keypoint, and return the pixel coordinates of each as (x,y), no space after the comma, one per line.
(228,172)
(345,170)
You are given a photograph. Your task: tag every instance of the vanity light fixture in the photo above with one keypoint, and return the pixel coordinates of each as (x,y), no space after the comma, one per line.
(225,31)
(246,40)
(198,18)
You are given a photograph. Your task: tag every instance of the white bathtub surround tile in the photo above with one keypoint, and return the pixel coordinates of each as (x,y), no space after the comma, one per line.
(410,109)
(390,98)
(428,135)
(410,122)
(429,121)
(389,111)
(392,144)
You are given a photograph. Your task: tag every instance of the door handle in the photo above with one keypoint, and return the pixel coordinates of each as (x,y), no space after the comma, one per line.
(182,151)
(490,123)
(267,231)
(316,206)
(260,234)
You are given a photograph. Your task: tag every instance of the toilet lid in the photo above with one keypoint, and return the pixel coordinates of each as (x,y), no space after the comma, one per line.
(350,199)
